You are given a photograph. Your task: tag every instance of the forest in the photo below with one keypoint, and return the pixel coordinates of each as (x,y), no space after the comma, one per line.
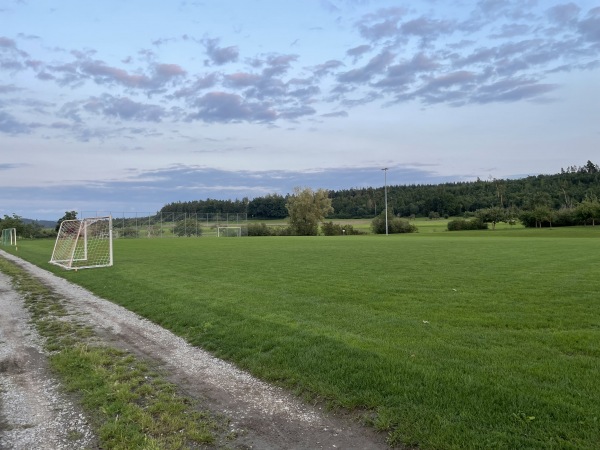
(564,190)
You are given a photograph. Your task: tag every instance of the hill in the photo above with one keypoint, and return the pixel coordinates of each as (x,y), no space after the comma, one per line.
(42,223)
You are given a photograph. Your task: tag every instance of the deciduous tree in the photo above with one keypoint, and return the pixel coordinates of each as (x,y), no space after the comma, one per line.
(69,215)
(306,208)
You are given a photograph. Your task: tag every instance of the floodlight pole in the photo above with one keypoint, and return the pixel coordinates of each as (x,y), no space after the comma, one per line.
(385,169)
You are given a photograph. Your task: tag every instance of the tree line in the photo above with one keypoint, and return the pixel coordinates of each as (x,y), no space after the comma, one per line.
(25,228)
(564,190)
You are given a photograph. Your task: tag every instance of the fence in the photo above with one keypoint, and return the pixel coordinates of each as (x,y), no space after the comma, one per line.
(164,225)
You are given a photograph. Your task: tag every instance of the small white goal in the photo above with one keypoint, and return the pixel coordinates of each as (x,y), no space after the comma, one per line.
(229,231)
(9,236)
(84,243)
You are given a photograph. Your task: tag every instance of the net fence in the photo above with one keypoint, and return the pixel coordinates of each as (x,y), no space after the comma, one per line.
(170,225)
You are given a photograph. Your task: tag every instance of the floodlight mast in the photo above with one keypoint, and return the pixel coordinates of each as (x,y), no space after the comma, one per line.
(385,169)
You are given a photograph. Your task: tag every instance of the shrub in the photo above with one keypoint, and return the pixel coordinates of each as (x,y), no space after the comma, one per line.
(463,224)
(261,229)
(395,225)
(258,229)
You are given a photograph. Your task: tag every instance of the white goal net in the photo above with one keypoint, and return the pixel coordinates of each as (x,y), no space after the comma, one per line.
(84,243)
(229,231)
(9,236)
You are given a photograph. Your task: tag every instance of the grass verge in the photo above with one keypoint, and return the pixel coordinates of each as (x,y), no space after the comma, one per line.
(130,406)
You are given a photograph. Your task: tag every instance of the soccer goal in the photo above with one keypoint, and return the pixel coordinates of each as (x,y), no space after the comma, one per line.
(84,243)
(229,231)
(9,236)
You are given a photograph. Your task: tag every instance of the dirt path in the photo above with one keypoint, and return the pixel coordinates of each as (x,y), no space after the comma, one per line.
(35,413)
(263,416)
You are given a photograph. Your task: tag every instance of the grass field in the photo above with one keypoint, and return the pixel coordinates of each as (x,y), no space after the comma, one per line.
(442,340)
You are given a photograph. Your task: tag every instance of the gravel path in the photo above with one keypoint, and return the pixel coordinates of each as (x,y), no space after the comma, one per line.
(35,414)
(264,417)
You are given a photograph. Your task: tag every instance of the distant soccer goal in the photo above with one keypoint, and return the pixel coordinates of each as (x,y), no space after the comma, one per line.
(84,243)
(229,231)
(9,236)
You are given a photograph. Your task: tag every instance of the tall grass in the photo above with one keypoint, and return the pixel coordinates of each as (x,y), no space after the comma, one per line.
(445,340)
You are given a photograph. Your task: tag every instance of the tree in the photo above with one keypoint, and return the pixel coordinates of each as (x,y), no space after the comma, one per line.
(15,222)
(306,208)
(31,229)
(271,206)
(588,210)
(492,215)
(69,215)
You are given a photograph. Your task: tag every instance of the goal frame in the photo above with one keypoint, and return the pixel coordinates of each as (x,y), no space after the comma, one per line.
(220,233)
(9,236)
(72,246)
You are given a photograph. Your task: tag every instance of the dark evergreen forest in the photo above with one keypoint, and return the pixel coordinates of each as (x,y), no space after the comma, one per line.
(564,190)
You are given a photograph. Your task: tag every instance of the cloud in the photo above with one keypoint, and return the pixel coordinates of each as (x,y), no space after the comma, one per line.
(10,125)
(374,67)
(402,75)
(124,108)
(227,107)
(220,55)
(326,68)
(427,28)
(511,90)
(10,46)
(11,57)
(430,58)
(8,166)
(381,24)
(358,51)
(590,26)
(9,88)
(336,114)
(450,61)
(101,73)
(296,112)
(201,83)
(564,14)
(511,30)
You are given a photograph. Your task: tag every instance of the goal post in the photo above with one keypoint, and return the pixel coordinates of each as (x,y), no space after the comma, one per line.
(229,231)
(9,236)
(84,243)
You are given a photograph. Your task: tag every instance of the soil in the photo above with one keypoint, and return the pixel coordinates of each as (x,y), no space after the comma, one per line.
(35,413)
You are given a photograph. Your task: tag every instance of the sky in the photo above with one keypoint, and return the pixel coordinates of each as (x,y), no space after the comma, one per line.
(125,106)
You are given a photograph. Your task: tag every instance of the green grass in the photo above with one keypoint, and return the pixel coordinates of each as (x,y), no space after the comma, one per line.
(443,340)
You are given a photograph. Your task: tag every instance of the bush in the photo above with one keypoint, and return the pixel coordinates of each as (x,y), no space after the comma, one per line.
(463,224)
(261,229)
(395,225)
(258,229)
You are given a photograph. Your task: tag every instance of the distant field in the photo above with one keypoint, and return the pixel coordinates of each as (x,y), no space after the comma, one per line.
(442,339)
